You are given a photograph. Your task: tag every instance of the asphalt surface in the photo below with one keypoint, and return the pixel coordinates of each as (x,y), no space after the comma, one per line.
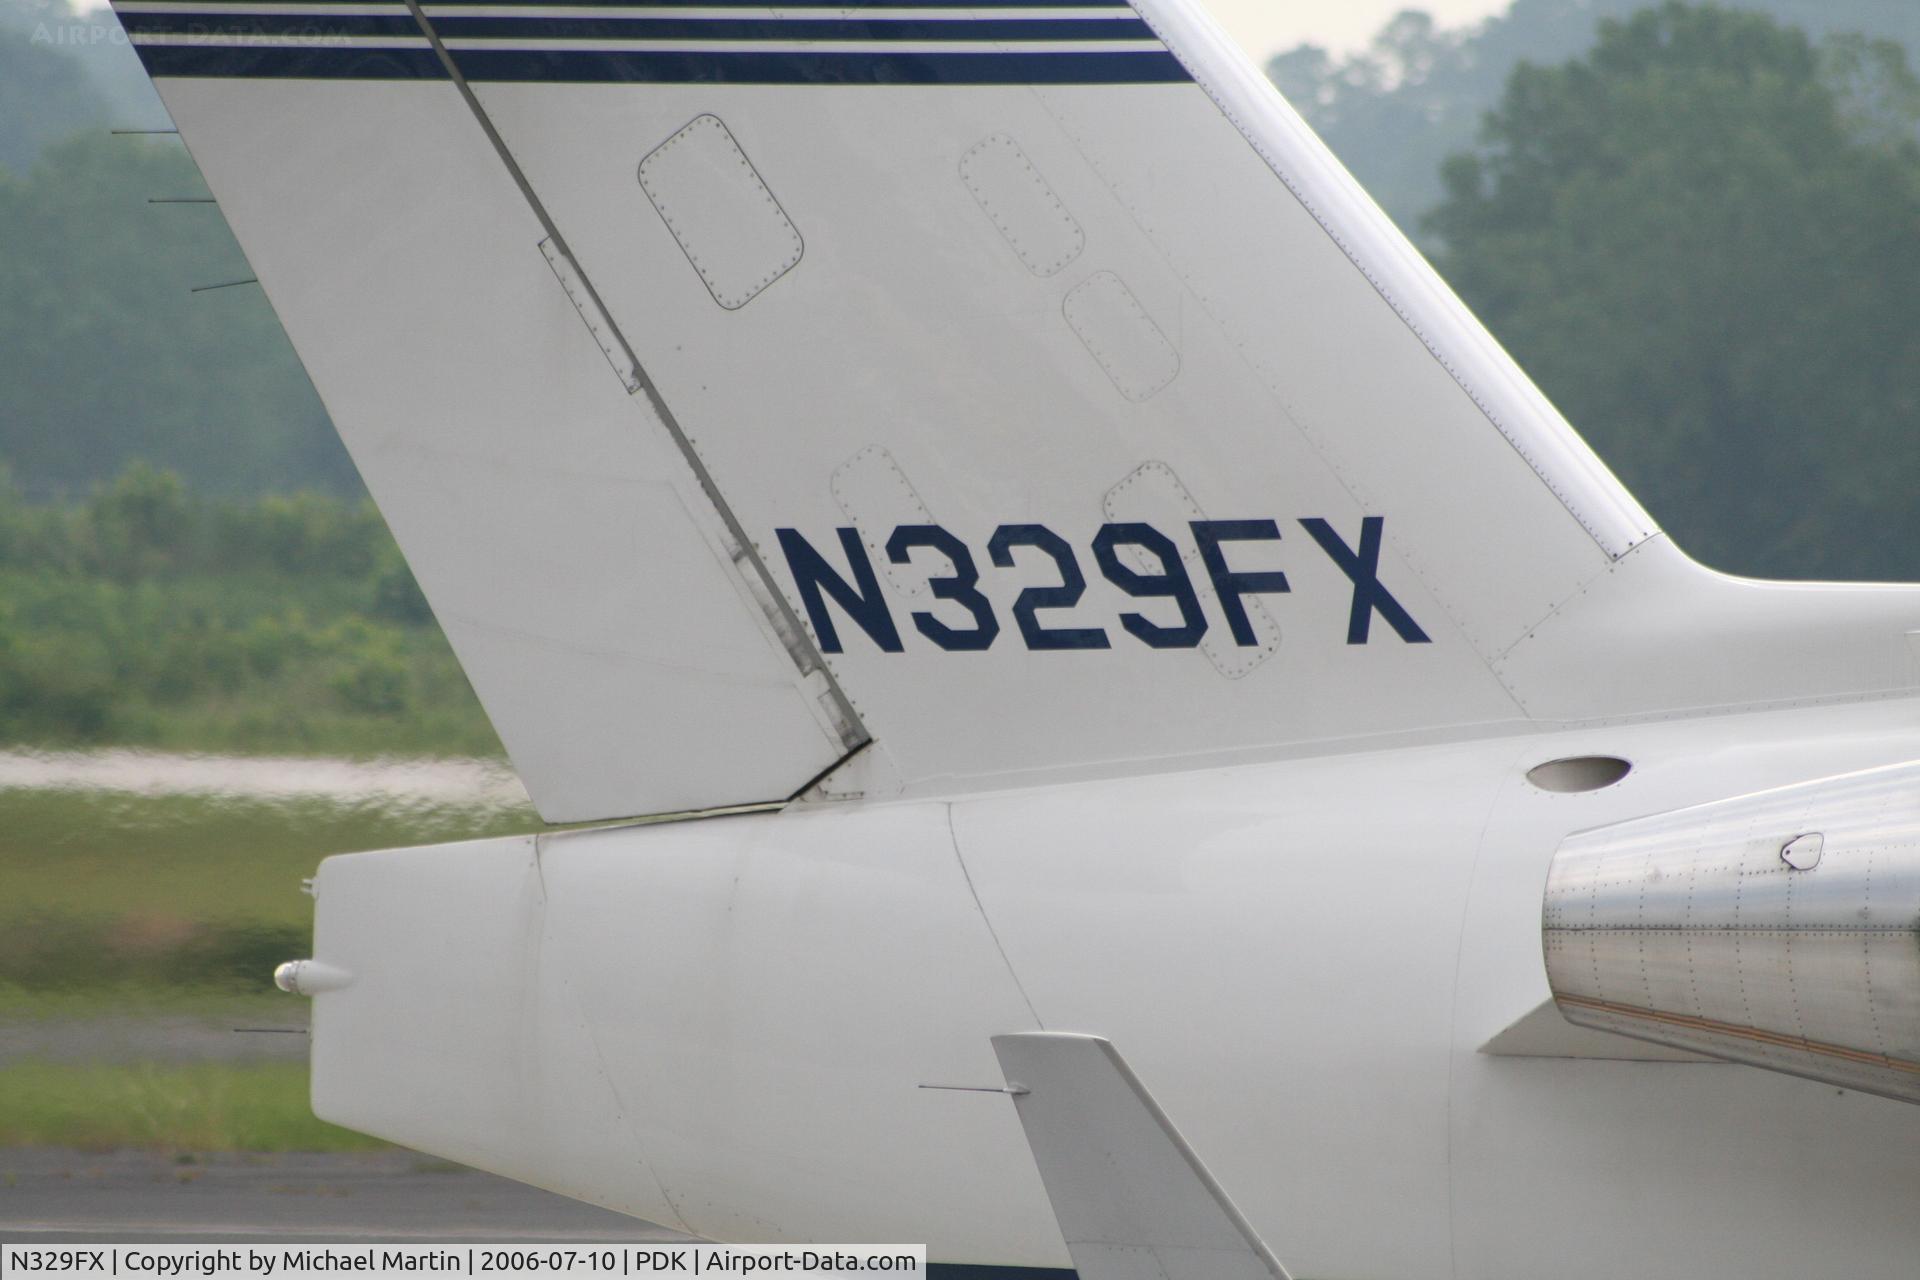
(60,1196)
(142,1037)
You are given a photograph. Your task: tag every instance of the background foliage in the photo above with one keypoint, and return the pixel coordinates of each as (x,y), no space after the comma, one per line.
(1704,237)
(105,355)
(1395,110)
(145,615)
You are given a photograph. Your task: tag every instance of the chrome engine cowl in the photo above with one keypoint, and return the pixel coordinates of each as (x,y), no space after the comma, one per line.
(1780,929)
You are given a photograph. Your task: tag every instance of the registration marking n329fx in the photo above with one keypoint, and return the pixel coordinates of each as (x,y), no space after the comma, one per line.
(1227,551)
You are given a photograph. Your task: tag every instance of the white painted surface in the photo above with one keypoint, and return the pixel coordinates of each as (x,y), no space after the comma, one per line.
(1234,313)
(564,545)
(1133,1200)
(1120,334)
(911,326)
(717,1025)
(1017,197)
(732,229)
(1303,959)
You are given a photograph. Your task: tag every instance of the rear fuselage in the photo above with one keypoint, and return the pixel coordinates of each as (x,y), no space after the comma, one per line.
(722,1025)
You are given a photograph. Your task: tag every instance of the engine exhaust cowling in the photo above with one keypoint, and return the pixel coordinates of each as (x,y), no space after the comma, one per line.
(1780,929)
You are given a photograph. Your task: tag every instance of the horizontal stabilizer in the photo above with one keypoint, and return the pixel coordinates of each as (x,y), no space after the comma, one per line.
(1133,1200)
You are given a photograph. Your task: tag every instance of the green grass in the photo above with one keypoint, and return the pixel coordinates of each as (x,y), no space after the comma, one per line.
(110,900)
(119,906)
(192,1108)
(100,856)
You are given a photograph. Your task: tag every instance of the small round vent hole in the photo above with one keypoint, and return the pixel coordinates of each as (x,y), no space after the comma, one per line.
(1579,773)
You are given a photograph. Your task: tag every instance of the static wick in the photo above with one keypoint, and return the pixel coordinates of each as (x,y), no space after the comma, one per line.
(270,1031)
(1012,1090)
(180,200)
(225,284)
(129,133)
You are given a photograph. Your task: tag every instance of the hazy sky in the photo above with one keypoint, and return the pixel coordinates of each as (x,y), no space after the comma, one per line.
(1265,27)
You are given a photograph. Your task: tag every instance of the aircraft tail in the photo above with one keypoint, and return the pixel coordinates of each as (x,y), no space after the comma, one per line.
(929,398)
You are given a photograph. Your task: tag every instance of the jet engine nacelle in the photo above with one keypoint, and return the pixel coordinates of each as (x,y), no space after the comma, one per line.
(1780,929)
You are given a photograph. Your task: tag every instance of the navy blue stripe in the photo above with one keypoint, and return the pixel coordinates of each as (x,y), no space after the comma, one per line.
(317,62)
(1009,30)
(270,24)
(800,67)
(879,67)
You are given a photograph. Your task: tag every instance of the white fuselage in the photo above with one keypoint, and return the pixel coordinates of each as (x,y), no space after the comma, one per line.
(722,1024)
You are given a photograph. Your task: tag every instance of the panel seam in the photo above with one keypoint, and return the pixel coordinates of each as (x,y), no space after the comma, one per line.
(953,838)
(806,657)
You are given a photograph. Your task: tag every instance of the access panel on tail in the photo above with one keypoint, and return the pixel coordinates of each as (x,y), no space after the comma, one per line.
(1019,388)
(611,620)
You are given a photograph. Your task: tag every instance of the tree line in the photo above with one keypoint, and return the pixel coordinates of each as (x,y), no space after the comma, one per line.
(1703,240)
(146,615)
